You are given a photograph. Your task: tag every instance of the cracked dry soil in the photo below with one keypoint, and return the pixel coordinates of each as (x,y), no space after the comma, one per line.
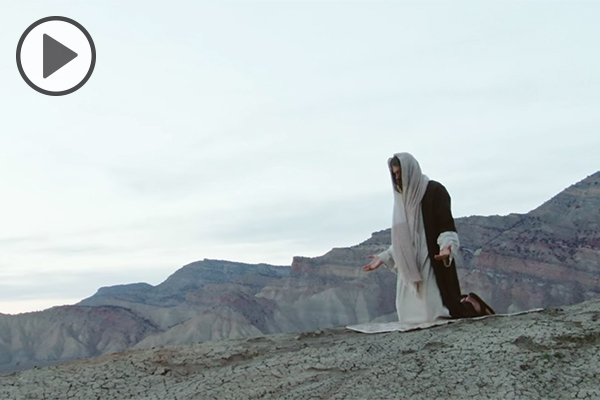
(553,354)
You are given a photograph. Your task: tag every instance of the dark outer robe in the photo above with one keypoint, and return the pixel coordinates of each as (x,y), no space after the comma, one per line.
(437,218)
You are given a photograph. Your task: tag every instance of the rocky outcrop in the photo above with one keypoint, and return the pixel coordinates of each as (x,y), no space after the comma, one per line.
(545,258)
(194,289)
(546,355)
(331,290)
(66,333)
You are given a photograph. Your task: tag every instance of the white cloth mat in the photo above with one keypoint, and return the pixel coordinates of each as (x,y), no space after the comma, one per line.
(371,327)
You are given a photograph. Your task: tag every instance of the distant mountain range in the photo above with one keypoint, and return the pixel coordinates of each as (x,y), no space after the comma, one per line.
(545,258)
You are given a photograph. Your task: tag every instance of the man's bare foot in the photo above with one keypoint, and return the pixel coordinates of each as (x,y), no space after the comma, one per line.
(474,302)
(481,308)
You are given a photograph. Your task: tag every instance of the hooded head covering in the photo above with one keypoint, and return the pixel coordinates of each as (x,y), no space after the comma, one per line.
(408,233)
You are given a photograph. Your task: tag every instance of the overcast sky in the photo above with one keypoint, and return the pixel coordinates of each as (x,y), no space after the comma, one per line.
(257,131)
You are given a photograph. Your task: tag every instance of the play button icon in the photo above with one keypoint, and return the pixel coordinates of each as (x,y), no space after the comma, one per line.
(56,56)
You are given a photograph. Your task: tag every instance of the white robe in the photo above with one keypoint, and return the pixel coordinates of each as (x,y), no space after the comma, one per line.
(412,310)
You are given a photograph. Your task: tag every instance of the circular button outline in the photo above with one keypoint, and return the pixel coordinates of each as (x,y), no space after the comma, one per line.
(90,70)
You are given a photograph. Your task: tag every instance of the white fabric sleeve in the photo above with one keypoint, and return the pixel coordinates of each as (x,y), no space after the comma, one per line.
(449,238)
(388,258)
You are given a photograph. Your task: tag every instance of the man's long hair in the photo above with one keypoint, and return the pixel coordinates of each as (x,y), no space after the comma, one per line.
(395,162)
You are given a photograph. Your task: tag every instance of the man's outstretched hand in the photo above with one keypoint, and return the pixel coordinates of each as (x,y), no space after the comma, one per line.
(444,255)
(376,263)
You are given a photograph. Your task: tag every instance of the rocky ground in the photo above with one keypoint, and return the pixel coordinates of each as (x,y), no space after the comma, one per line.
(553,354)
